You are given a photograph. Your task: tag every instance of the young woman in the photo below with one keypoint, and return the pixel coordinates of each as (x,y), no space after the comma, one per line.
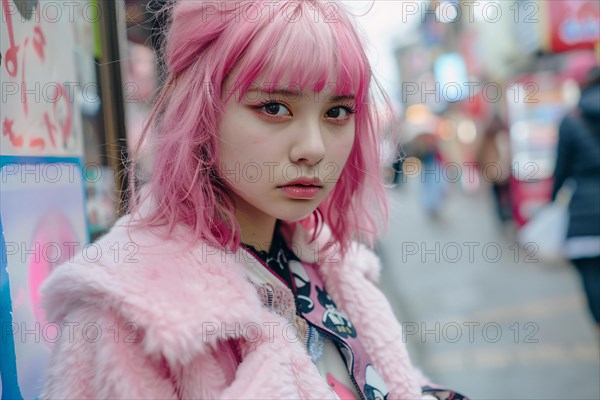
(238,272)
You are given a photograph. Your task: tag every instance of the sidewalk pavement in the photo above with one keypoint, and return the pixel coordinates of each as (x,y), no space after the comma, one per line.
(481,315)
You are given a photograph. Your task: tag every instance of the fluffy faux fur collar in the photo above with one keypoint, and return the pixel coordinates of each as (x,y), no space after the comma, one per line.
(162,289)
(177,295)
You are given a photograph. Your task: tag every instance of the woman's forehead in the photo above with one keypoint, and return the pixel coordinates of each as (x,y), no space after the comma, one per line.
(293,91)
(318,82)
(327,85)
(262,88)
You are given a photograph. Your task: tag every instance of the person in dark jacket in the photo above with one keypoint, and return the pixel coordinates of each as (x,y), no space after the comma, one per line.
(578,158)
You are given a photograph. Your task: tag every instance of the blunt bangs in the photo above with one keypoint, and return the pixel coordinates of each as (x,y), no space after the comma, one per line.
(296,48)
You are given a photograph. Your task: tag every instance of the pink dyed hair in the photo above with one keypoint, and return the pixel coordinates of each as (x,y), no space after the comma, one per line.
(300,40)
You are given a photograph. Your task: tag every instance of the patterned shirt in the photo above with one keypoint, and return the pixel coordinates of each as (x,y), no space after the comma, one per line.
(295,291)
(329,336)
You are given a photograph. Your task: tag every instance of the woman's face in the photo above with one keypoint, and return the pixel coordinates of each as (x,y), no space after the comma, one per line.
(282,151)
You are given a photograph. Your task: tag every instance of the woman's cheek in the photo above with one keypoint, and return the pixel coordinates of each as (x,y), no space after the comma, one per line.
(342,152)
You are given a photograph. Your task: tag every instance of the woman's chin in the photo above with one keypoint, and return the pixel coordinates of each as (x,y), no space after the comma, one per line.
(296,214)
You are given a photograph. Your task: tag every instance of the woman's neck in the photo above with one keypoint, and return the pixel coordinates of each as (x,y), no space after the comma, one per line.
(256,231)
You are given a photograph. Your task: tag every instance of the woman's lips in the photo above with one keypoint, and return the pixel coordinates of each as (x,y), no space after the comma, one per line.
(301,192)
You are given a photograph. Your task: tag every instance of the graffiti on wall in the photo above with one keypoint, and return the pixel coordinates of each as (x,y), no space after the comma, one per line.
(41,89)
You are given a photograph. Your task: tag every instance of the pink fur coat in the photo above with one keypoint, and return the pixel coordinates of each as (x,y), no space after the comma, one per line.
(154,319)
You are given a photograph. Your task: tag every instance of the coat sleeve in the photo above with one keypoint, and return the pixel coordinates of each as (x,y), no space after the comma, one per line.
(564,153)
(100,356)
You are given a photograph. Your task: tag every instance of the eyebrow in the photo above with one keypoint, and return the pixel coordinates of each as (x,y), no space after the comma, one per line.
(335,99)
(295,93)
(282,92)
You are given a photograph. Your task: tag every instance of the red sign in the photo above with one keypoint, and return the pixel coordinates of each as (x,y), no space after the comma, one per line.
(574,24)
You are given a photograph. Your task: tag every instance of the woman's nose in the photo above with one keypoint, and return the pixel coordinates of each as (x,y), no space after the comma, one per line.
(308,146)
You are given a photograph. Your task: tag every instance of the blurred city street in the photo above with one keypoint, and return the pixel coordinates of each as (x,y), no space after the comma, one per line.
(481,316)
(487,111)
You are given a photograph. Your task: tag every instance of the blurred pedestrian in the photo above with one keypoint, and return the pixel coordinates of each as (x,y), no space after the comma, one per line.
(425,147)
(493,158)
(434,184)
(578,157)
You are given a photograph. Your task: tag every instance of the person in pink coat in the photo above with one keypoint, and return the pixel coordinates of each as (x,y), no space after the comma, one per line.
(243,269)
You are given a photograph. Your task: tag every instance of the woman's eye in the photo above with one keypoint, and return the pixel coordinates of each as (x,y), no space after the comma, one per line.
(339,113)
(275,109)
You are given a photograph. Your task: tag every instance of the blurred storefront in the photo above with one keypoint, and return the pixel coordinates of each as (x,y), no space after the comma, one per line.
(520,61)
(568,33)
